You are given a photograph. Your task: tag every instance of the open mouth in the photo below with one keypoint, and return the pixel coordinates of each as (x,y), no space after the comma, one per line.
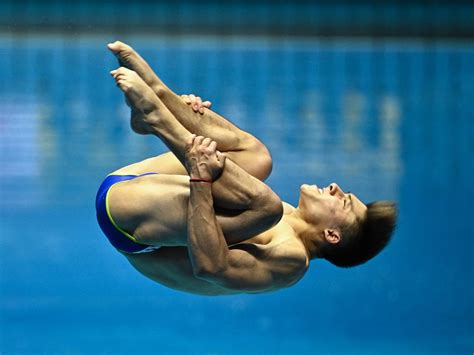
(319,189)
(314,187)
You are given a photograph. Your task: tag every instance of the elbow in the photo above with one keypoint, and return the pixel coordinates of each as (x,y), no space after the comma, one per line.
(276,210)
(272,208)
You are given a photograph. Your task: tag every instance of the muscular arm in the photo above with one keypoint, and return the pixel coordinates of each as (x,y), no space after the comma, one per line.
(211,258)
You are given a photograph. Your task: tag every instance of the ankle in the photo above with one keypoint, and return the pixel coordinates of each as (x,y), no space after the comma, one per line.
(160,90)
(154,119)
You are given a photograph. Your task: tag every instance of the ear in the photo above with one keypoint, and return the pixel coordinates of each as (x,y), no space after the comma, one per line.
(332,236)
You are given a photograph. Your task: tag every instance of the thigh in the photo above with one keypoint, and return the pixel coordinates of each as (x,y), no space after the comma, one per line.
(152,208)
(165,163)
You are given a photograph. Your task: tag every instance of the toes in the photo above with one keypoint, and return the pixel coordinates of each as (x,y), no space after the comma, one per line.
(118,46)
(121,71)
(123,84)
(122,51)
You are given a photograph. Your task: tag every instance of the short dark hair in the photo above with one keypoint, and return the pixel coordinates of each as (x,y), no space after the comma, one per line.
(365,238)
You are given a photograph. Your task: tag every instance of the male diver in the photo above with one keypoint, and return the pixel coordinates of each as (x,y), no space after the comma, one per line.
(200,219)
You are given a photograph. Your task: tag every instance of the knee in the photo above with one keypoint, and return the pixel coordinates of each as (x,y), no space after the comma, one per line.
(262,160)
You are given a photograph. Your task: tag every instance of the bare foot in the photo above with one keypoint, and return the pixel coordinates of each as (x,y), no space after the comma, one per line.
(129,58)
(140,97)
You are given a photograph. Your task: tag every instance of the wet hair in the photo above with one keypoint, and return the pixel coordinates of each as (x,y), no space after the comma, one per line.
(365,238)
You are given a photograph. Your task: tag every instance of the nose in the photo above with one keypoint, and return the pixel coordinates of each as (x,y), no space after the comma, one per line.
(335,190)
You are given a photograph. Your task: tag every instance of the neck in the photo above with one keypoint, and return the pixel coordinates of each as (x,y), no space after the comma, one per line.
(307,233)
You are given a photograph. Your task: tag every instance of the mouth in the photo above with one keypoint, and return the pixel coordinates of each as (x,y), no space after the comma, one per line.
(312,187)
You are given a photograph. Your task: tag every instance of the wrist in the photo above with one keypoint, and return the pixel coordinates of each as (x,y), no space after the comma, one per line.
(199,180)
(202,188)
(199,175)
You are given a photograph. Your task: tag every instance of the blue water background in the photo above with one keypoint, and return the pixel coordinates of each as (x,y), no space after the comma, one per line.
(385,119)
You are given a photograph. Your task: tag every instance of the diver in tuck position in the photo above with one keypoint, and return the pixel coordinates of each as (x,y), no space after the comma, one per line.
(199,218)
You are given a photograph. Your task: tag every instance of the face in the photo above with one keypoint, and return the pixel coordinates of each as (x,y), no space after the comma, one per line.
(329,207)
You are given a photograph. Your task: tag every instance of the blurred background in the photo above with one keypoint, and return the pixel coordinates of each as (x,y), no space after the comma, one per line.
(377,97)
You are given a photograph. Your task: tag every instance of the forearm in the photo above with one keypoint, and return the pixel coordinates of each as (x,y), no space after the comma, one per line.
(211,259)
(207,247)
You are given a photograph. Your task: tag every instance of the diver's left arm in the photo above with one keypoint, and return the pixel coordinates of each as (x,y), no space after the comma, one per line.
(211,258)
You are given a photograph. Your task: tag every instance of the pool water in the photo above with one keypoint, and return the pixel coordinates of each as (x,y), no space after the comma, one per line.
(384,119)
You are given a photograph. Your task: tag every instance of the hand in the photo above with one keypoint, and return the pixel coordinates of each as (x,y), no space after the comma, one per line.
(196,103)
(202,160)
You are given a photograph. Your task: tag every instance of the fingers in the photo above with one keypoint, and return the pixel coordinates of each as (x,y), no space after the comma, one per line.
(197,106)
(196,103)
(202,158)
(221,157)
(198,140)
(206,142)
(186,99)
(190,140)
(213,146)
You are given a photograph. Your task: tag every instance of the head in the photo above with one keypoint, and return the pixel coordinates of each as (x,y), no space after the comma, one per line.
(347,232)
